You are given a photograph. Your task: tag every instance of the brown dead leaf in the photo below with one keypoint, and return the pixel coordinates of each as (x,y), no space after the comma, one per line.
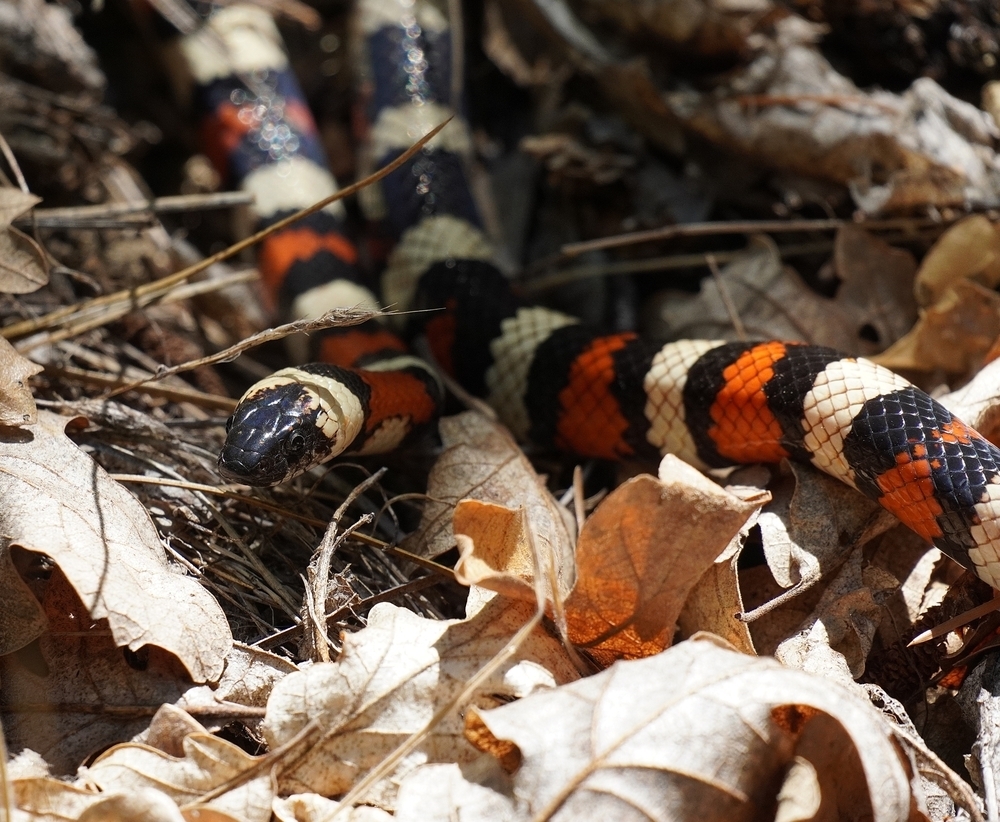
(17,405)
(73,691)
(770,299)
(836,638)
(23,267)
(168,729)
(60,503)
(144,803)
(699,732)
(45,798)
(208,763)
(441,793)
(970,249)
(495,549)
(390,680)
(951,335)
(790,109)
(811,525)
(640,554)
(876,288)
(716,600)
(482,462)
(311,807)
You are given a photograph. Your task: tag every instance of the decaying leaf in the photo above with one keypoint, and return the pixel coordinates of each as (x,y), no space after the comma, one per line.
(60,503)
(495,549)
(769,298)
(716,600)
(17,406)
(390,680)
(441,793)
(876,288)
(790,109)
(46,798)
(481,461)
(640,554)
(970,249)
(952,335)
(208,762)
(696,732)
(811,525)
(73,692)
(836,638)
(23,267)
(311,807)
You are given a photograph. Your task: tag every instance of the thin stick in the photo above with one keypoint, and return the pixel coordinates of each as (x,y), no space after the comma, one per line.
(333,317)
(727,300)
(191,395)
(955,622)
(279,511)
(133,295)
(741,227)
(85,216)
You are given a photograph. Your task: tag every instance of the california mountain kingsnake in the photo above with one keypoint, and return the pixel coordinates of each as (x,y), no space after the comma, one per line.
(551,379)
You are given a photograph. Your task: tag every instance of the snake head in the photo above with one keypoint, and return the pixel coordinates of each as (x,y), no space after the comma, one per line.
(280,429)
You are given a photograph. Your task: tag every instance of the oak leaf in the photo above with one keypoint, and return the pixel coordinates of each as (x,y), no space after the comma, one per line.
(697,732)
(390,680)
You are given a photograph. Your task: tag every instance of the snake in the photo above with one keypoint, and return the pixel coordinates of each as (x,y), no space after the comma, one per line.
(552,379)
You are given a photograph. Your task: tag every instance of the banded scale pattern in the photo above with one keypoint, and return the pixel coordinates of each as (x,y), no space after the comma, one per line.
(561,384)
(258,131)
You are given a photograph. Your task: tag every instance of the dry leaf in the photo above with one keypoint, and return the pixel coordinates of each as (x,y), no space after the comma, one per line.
(970,249)
(311,807)
(168,729)
(876,288)
(250,675)
(143,803)
(208,763)
(639,555)
(45,798)
(59,502)
(790,109)
(811,525)
(951,335)
(770,299)
(494,549)
(801,795)
(481,461)
(73,692)
(836,638)
(23,267)
(716,600)
(17,405)
(440,793)
(390,680)
(699,732)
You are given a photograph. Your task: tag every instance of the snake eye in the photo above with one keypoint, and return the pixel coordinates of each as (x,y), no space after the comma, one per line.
(229,422)
(295,443)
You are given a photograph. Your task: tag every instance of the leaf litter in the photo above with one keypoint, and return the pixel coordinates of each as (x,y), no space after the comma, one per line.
(120,673)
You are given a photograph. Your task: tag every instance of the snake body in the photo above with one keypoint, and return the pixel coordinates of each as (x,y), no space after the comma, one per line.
(551,379)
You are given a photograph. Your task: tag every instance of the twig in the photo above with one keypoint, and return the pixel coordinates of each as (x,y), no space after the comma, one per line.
(318,586)
(727,300)
(192,395)
(333,317)
(743,227)
(144,294)
(413,586)
(97,216)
